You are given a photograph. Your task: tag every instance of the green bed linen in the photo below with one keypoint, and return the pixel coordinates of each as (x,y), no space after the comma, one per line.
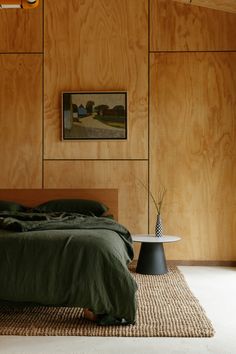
(67,260)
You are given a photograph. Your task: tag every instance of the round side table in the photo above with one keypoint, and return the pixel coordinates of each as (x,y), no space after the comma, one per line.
(152,258)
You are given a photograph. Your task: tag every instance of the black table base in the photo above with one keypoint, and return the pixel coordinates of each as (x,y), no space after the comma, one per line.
(152,259)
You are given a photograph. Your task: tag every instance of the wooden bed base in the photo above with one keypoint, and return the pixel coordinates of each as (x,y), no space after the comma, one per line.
(33,197)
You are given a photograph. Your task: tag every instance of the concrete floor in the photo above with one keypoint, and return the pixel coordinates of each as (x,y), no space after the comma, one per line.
(215,287)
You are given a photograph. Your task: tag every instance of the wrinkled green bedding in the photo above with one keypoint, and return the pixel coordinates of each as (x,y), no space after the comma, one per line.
(67,260)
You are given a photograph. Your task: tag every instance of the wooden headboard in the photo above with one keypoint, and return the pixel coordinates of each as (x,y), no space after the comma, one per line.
(33,197)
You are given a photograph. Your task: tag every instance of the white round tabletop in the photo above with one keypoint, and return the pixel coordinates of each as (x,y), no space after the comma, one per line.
(151,238)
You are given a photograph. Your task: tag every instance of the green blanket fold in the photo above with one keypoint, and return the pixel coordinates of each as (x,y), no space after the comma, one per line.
(67,260)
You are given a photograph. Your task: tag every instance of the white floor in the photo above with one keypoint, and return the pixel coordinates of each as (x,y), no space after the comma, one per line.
(215,287)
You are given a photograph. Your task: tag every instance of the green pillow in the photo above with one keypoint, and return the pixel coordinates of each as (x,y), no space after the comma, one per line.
(11,206)
(82,206)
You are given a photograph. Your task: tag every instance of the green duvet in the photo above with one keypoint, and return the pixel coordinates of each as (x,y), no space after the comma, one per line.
(67,260)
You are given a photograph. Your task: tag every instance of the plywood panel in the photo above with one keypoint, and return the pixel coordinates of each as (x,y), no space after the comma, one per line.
(21,30)
(193,151)
(123,175)
(221,5)
(180,27)
(96,45)
(21,121)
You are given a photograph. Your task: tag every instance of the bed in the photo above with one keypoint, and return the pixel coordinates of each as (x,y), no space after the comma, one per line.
(66,258)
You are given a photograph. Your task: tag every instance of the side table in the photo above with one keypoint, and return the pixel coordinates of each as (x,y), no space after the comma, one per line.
(152,258)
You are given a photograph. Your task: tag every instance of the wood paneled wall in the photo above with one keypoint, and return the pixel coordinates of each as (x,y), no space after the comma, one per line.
(185,140)
(132,199)
(222,5)
(21,30)
(98,45)
(21,120)
(180,27)
(192,129)
(195,150)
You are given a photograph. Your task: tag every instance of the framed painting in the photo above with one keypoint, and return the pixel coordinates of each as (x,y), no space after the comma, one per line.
(94,115)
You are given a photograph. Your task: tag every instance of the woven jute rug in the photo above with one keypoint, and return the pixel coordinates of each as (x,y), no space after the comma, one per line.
(166,308)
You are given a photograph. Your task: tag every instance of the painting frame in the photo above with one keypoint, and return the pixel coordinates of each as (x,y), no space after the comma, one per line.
(94,115)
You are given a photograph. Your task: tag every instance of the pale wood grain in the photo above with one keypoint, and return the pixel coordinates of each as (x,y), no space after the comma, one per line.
(123,175)
(221,5)
(21,30)
(100,46)
(21,121)
(179,27)
(193,151)
(34,197)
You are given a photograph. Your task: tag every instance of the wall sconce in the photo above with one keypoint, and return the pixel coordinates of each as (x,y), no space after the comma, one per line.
(18,4)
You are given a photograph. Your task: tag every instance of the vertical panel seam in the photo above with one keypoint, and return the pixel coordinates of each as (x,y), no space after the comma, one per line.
(148,38)
(43,50)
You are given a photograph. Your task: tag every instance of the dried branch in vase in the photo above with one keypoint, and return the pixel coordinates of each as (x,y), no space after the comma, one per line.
(161,194)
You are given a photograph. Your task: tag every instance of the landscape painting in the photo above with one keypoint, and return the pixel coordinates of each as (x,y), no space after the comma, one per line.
(94,115)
